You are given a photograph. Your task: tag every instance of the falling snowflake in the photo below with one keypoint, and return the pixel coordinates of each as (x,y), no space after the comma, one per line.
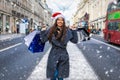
(37,61)
(108,48)
(106,72)
(15,49)
(108,56)
(20,78)
(111,70)
(100,57)
(25,66)
(104,68)
(56,61)
(100,47)
(98,51)
(6,70)
(24,75)
(21,68)
(2,74)
(119,77)
(108,75)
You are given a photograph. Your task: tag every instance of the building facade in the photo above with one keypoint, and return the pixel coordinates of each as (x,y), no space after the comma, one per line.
(13,11)
(96,10)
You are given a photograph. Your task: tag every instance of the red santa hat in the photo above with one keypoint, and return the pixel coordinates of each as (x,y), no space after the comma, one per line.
(57,15)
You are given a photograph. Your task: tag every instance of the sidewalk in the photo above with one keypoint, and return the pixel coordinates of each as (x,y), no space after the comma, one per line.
(9,36)
(79,67)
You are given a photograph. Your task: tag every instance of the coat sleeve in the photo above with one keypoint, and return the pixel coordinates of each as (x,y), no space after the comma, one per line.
(44,36)
(74,38)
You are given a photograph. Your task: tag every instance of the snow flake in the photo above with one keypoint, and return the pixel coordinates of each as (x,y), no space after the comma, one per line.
(108,56)
(108,48)
(119,77)
(24,75)
(15,49)
(56,61)
(106,72)
(100,57)
(6,70)
(37,61)
(98,51)
(108,75)
(20,78)
(2,74)
(4,67)
(100,47)
(104,68)
(111,70)
(21,68)
(25,66)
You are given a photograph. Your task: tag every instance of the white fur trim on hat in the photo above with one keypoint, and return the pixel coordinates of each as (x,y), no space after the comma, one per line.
(58,16)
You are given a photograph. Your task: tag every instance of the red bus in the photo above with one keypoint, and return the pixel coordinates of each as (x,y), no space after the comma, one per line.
(112,23)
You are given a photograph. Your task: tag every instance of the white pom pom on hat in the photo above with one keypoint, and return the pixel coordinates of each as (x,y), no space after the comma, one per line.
(57,15)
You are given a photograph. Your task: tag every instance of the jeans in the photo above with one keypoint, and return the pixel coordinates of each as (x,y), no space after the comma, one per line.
(56,76)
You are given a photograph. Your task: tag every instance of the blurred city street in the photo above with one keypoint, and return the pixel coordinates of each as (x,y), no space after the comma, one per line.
(88,61)
(80,68)
(96,55)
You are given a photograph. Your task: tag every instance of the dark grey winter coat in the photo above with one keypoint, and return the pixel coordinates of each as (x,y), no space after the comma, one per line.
(58,56)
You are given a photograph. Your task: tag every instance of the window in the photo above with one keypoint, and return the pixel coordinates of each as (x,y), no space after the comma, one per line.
(110,26)
(118,5)
(114,26)
(118,26)
(111,6)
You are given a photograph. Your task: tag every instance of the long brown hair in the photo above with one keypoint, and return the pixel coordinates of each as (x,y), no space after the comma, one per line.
(53,29)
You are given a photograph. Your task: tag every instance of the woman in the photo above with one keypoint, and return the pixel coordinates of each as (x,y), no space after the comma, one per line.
(58,59)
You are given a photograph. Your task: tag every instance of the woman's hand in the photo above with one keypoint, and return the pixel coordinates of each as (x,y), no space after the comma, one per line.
(43,28)
(73,28)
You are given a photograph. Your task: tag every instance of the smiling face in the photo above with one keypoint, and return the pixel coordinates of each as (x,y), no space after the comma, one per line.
(60,21)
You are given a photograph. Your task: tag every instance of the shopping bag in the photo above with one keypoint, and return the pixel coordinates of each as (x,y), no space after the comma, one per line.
(34,43)
(28,39)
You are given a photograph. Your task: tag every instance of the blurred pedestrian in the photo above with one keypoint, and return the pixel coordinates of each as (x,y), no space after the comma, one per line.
(58,36)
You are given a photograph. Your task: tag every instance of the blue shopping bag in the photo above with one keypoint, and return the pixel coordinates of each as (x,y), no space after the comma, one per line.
(34,43)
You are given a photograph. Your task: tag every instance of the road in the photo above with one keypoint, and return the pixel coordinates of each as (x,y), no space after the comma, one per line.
(103,57)
(16,63)
(94,60)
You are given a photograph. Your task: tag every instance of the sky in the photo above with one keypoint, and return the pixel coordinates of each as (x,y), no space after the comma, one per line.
(66,7)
